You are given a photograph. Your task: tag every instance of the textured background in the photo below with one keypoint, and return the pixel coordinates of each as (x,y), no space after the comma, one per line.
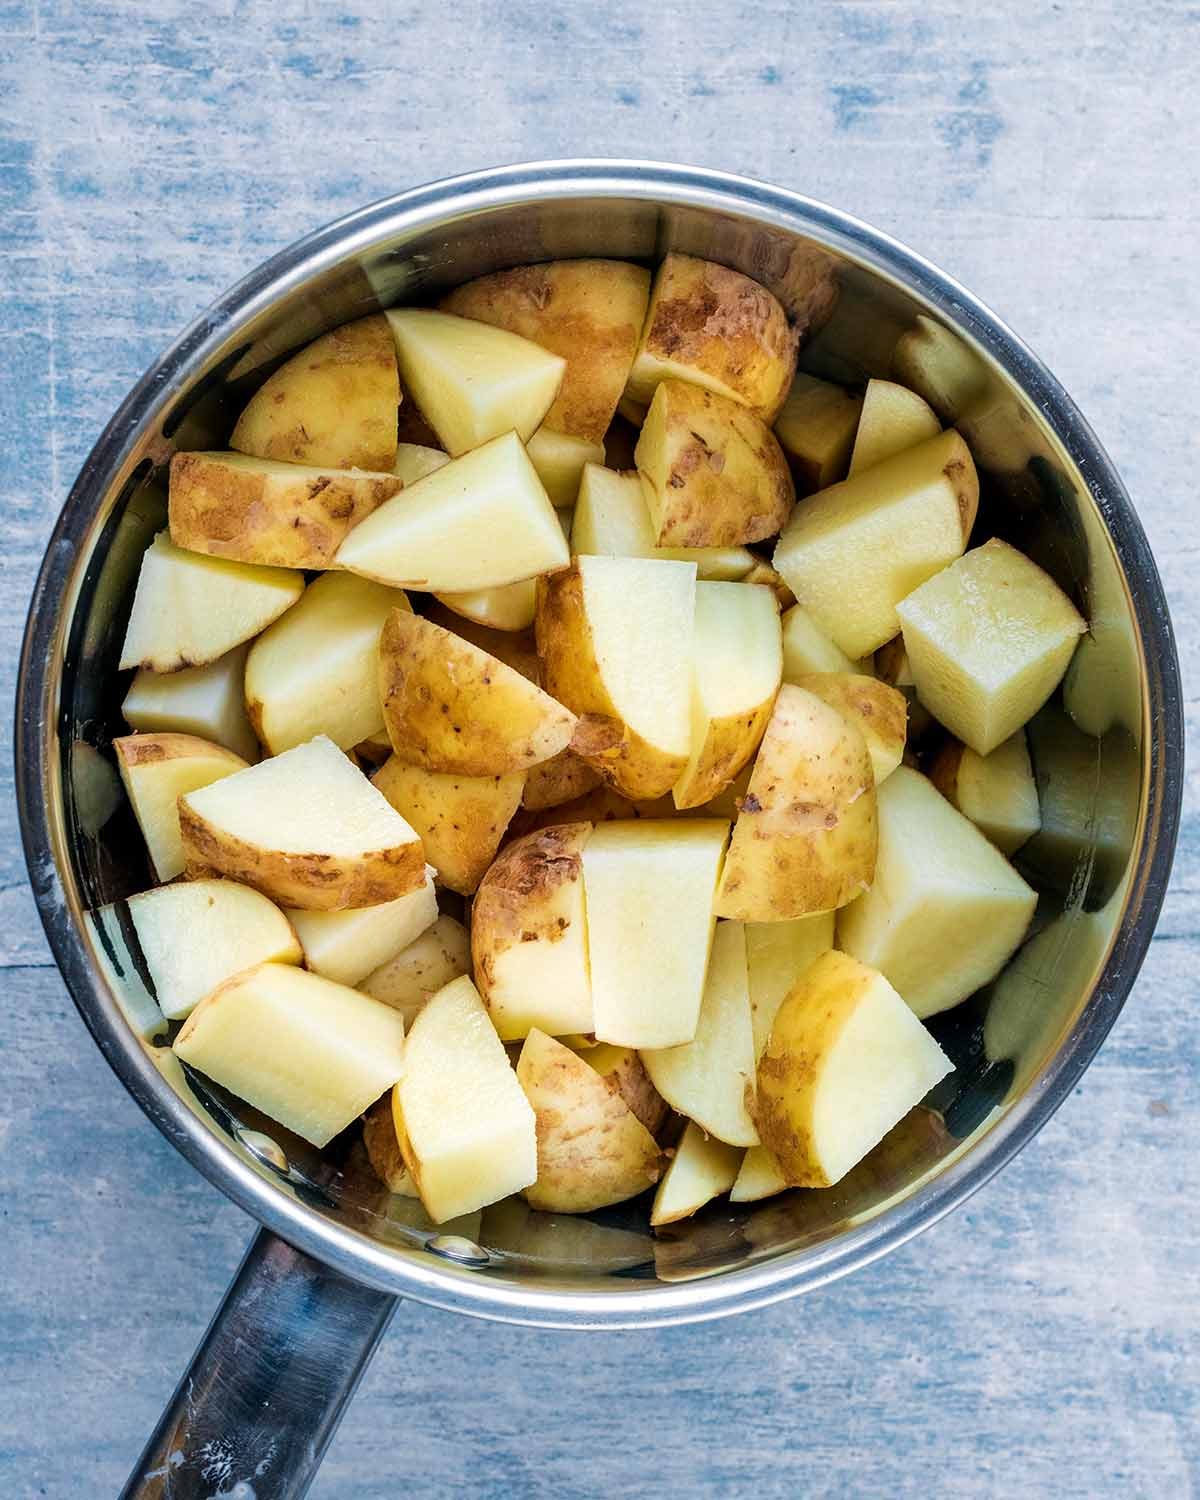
(1043,1341)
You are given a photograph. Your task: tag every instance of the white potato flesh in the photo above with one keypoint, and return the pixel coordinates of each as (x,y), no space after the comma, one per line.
(466,1129)
(777,953)
(346,946)
(816,427)
(405,982)
(758,1177)
(893,419)
(316,670)
(988,641)
(156,770)
(997,791)
(413,461)
(477,523)
(472,381)
(807,649)
(307,1052)
(189,610)
(196,934)
(649,887)
(701,1169)
(560,460)
(208,702)
(946,911)
(707,1078)
(509,607)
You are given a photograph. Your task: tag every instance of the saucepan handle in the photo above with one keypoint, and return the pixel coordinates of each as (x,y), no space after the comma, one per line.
(264,1393)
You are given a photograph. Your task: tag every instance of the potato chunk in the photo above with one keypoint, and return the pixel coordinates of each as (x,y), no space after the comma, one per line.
(156,770)
(333,403)
(816,428)
(615,640)
(946,910)
(478,523)
(893,419)
(473,382)
(701,1169)
(997,791)
(715,328)
(846,1061)
(405,982)
(414,461)
(988,641)
(307,829)
(258,510)
(804,840)
(346,946)
(466,1130)
(852,552)
(207,702)
(448,706)
(806,648)
(715,474)
(777,954)
(316,670)
(591,1148)
(880,711)
(309,1053)
(560,461)
(758,1177)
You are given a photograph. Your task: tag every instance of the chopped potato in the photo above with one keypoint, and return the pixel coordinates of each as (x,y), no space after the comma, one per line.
(623,1071)
(816,428)
(765,574)
(880,711)
(997,791)
(156,770)
(893,419)
(777,954)
(414,461)
(560,461)
(383,1149)
(759,1176)
(701,1169)
(561,779)
(346,946)
(405,982)
(807,649)
(509,607)
(207,702)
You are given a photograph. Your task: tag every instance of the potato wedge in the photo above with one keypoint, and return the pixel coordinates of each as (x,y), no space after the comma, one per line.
(460,819)
(758,1177)
(715,473)
(405,982)
(560,461)
(515,648)
(815,428)
(946,911)
(851,553)
(614,638)
(880,711)
(473,382)
(588,311)
(189,610)
(763,573)
(509,607)
(988,641)
(156,770)
(529,936)
(448,706)
(466,1130)
(333,404)
(806,648)
(846,1061)
(562,778)
(316,670)
(997,791)
(309,1053)
(718,329)
(939,367)
(702,1169)
(591,1148)
(649,886)
(736,664)
(207,702)
(414,461)
(777,954)
(196,934)
(346,946)
(307,829)
(383,1149)
(805,837)
(478,523)
(893,419)
(600,805)
(258,510)
(709,1078)
(624,1072)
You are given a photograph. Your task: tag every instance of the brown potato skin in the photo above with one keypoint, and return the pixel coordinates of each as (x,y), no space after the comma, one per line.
(601,805)
(943,769)
(351,367)
(266,519)
(806,835)
(590,312)
(571,674)
(311,882)
(460,820)
(630,1080)
(763,573)
(147,748)
(730,744)
(383,1148)
(720,474)
(450,706)
(561,779)
(515,648)
(880,711)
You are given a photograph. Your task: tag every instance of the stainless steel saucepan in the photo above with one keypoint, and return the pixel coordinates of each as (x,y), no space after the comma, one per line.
(268,1383)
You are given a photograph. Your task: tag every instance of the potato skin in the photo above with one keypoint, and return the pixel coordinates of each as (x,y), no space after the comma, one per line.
(807,833)
(880,711)
(717,470)
(627,1077)
(763,573)
(571,673)
(299,414)
(728,746)
(561,779)
(272,520)
(590,312)
(383,1148)
(450,706)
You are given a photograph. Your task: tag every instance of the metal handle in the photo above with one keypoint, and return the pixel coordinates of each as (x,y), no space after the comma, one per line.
(265,1391)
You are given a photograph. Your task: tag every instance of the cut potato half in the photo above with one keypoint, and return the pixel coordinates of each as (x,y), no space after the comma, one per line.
(997,791)
(624,1072)
(806,648)
(405,982)
(188,609)
(816,428)
(307,829)
(466,1130)
(758,1177)
(880,711)
(316,670)
(472,381)
(846,1061)
(560,461)
(478,523)
(702,1169)
(777,954)
(207,702)
(893,419)
(346,946)
(156,770)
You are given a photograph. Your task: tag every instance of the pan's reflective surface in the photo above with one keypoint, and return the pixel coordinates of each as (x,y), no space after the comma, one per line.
(1107,750)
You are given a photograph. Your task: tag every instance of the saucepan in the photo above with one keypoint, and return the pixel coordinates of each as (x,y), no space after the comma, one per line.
(321,1280)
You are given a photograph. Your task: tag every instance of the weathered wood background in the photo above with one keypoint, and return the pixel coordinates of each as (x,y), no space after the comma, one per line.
(1044,1341)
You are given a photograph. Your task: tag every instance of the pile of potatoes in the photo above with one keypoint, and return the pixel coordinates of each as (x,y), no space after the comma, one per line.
(559,816)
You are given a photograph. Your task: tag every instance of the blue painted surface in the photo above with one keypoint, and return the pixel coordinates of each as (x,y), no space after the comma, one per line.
(1044,1341)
